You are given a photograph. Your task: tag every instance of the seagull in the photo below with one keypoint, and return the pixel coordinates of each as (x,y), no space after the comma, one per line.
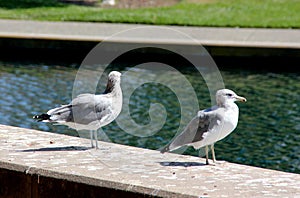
(89,111)
(210,125)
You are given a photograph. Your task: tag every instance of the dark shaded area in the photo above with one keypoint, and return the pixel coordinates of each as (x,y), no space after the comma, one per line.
(64,148)
(15,4)
(183,164)
(44,51)
(20,184)
(81,2)
(277,64)
(151,54)
(73,53)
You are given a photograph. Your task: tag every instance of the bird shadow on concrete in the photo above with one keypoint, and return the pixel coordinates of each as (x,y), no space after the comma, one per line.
(64,148)
(183,164)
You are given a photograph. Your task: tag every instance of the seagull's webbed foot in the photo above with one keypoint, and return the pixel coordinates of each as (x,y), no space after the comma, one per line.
(210,164)
(215,163)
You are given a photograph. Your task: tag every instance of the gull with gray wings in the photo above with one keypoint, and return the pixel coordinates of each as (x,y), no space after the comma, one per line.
(89,111)
(210,125)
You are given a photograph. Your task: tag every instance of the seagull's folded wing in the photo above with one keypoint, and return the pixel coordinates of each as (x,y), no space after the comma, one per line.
(87,108)
(195,130)
(83,109)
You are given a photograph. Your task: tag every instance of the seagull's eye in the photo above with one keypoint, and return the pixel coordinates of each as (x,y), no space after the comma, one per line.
(229,94)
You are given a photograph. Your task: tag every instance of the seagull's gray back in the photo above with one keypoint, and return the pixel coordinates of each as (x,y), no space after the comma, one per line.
(85,109)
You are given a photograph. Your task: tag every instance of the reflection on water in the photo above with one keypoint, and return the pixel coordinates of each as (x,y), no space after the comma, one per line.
(268,133)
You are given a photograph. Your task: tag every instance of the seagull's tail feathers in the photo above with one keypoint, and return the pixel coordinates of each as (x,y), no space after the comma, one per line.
(60,114)
(165,149)
(186,137)
(169,147)
(43,117)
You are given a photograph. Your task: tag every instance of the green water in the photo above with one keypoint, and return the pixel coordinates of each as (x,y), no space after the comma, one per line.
(268,133)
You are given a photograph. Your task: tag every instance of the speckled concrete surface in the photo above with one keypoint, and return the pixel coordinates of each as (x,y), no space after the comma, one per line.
(138,170)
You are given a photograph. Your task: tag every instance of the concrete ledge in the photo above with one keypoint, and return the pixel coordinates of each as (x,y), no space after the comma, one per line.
(96,32)
(41,164)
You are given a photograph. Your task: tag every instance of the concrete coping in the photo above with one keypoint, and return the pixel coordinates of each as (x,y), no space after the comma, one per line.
(96,32)
(135,170)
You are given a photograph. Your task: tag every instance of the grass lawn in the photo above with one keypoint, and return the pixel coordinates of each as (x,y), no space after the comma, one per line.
(219,13)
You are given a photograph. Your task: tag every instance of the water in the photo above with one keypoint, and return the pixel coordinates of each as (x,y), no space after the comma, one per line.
(268,133)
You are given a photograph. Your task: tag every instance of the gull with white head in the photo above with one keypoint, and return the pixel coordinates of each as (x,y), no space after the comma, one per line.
(89,111)
(210,125)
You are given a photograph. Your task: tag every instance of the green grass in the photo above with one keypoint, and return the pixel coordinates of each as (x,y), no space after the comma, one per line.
(219,13)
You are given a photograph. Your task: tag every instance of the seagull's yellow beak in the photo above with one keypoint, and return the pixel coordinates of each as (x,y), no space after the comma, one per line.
(241,99)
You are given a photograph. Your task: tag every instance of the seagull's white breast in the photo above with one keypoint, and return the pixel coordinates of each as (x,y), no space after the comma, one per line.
(229,122)
(223,127)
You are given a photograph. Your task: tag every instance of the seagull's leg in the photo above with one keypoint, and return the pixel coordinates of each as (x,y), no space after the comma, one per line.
(212,147)
(206,155)
(214,156)
(91,134)
(96,138)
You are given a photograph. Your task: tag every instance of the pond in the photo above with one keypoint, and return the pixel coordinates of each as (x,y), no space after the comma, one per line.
(268,133)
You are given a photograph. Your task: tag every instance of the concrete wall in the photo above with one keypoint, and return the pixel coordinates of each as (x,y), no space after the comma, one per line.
(18,181)
(41,164)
